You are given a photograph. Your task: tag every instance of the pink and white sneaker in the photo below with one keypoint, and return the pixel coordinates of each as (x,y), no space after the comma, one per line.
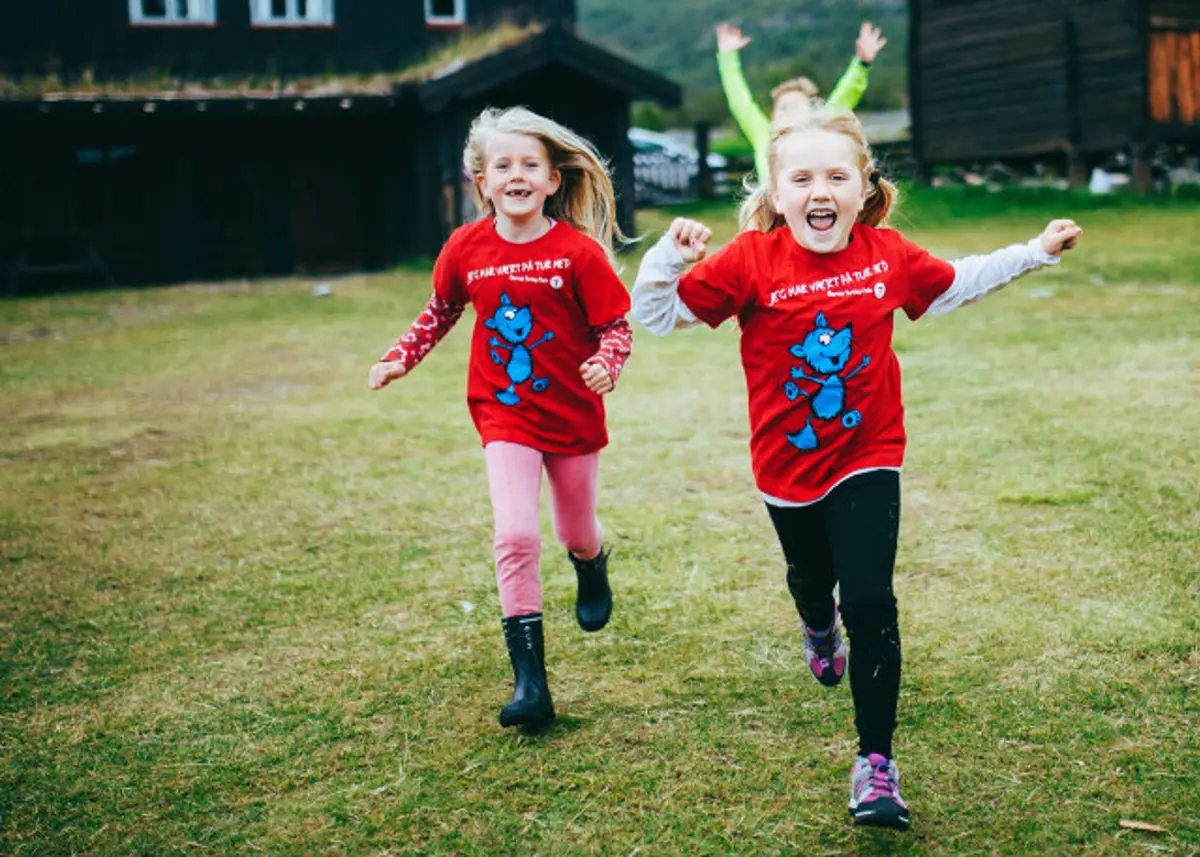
(875,793)
(826,653)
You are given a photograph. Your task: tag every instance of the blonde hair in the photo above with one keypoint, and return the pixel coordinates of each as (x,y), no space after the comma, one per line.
(584,198)
(758,211)
(803,85)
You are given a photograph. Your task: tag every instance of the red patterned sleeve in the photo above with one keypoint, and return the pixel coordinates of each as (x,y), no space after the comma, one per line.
(431,325)
(616,343)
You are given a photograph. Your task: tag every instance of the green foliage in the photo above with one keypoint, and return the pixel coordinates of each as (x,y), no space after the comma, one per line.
(946,206)
(249,606)
(734,146)
(649,116)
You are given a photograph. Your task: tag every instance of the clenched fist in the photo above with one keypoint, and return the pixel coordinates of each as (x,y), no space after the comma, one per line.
(691,237)
(1060,235)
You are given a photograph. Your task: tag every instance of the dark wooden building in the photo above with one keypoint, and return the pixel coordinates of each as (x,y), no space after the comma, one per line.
(170,140)
(1078,79)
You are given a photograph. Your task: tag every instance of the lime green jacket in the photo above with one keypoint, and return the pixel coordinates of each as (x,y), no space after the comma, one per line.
(755,124)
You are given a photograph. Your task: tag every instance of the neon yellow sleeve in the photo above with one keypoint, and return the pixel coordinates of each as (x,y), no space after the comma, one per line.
(849,90)
(746,112)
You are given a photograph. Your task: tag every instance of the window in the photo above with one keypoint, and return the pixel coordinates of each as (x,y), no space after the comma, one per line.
(291,13)
(446,13)
(173,11)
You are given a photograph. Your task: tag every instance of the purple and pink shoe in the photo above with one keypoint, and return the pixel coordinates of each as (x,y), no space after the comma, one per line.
(875,793)
(825,652)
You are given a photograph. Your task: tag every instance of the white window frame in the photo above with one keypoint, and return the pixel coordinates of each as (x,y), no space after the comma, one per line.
(458,19)
(320,14)
(198,12)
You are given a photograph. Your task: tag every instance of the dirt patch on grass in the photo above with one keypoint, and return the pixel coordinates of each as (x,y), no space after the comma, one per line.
(146,446)
(29,334)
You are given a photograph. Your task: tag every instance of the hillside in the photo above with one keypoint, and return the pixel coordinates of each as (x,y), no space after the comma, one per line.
(813,37)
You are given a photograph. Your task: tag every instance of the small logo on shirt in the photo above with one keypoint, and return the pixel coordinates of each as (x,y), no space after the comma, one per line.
(556,282)
(880,290)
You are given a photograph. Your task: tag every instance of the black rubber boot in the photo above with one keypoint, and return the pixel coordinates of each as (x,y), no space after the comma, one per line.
(593,602)
(531,706)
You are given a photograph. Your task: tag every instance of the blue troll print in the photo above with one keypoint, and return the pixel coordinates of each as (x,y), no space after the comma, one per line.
(515,323)
(826,352)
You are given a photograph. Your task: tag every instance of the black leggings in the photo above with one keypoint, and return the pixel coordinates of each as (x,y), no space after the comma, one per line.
(849,538)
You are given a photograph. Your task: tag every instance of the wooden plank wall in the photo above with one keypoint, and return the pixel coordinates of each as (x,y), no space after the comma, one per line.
(1174,64)
(990,79)
(1111,72)
(1173,14)
(1175,77)
(994,80)
(196,200)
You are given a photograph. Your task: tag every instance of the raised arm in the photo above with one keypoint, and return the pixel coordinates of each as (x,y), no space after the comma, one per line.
(850,88)
(749,116)
(656,302)
(978,276)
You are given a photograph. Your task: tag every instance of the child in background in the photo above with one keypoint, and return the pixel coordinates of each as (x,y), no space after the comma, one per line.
(550,340)
(814,281)
(791,98)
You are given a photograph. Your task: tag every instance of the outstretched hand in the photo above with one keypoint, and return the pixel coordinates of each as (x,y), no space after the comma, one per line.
(384,372)
(1059,236)
(730,38)
(869,43)
(691,237)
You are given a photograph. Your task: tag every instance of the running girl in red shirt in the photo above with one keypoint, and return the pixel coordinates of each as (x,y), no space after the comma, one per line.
(550,340)
(814,282)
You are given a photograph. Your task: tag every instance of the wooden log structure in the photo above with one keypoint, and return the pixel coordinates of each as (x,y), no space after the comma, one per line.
(1068,79)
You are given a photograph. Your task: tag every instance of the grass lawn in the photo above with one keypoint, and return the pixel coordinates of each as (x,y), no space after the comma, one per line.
(248,606)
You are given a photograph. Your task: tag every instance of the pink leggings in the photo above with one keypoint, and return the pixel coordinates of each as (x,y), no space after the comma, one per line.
(515,478)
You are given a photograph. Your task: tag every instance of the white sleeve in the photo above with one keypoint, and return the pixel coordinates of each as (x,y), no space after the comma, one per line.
(977,276)
(656,302)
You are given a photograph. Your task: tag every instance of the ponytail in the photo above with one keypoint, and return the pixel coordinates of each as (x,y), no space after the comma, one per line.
(880,199)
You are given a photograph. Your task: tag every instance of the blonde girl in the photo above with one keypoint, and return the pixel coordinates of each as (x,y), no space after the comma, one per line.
(815,279)
(549,342)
